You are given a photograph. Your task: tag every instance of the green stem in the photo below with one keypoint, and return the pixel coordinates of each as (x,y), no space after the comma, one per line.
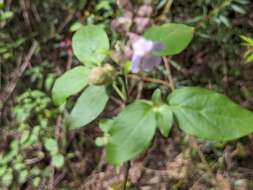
(118,91)
(128,165)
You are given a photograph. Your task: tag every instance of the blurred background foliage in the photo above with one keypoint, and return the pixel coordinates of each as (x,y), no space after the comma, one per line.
(35,151)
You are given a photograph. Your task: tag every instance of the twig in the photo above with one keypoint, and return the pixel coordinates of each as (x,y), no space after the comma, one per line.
(36,13)
(140,88)
(117,101)
(66,21)
(51,180)
(70,58)
(57,131)
(25,13)
(9,88)
(32,161)
(166,10)
(169,75)
(147,79)
(59,178)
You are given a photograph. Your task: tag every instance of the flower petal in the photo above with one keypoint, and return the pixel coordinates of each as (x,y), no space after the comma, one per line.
(143,46)
(136,62)
(143,57)
(149,62)
(158,47)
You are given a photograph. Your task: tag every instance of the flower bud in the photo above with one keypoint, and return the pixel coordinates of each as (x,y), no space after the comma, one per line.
(102,75)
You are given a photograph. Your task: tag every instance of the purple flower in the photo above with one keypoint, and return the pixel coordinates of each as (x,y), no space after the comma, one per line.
(143,55)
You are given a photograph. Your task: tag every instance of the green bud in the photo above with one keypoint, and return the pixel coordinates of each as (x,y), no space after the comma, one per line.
(97,76)
(102,75)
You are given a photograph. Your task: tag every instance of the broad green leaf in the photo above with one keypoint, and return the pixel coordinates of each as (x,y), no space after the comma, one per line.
(70,83)
(164,119)
(88,106)
(90,44)
(210,115)
(131,133)
(175,37)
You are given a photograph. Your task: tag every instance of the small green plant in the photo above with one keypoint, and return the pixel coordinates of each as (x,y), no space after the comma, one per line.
(21,160)
(198,111)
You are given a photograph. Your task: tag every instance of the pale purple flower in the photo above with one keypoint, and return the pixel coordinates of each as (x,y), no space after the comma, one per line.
(144,57)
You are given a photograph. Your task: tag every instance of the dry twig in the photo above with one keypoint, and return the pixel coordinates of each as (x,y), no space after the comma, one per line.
(10,87)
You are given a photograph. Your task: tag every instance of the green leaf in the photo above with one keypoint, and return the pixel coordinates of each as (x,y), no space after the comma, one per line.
(238,9)
(75,26)
(36,181)
(88,106)
(164,119)
(58,160)
(70,83)
(249,58)
(210,115)
(247,40)
(51,145)
(131,133)
(175,37)
(23,175)
(90,44)
(6,15)
(105,124)
(7,179)
(102,141)
(157,97)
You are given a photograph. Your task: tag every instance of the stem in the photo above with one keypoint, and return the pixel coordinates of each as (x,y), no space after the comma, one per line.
(169,75)
(166,10)
(128,165)
(124,86)
(147,79)
(121,95)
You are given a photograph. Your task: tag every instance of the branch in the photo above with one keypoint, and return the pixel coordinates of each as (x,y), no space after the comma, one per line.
(10,87)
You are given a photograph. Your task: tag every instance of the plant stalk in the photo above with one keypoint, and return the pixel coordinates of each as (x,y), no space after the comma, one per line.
(128,165)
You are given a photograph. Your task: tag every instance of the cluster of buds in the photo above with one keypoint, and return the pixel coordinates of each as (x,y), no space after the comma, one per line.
(102,75)
(140,21)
